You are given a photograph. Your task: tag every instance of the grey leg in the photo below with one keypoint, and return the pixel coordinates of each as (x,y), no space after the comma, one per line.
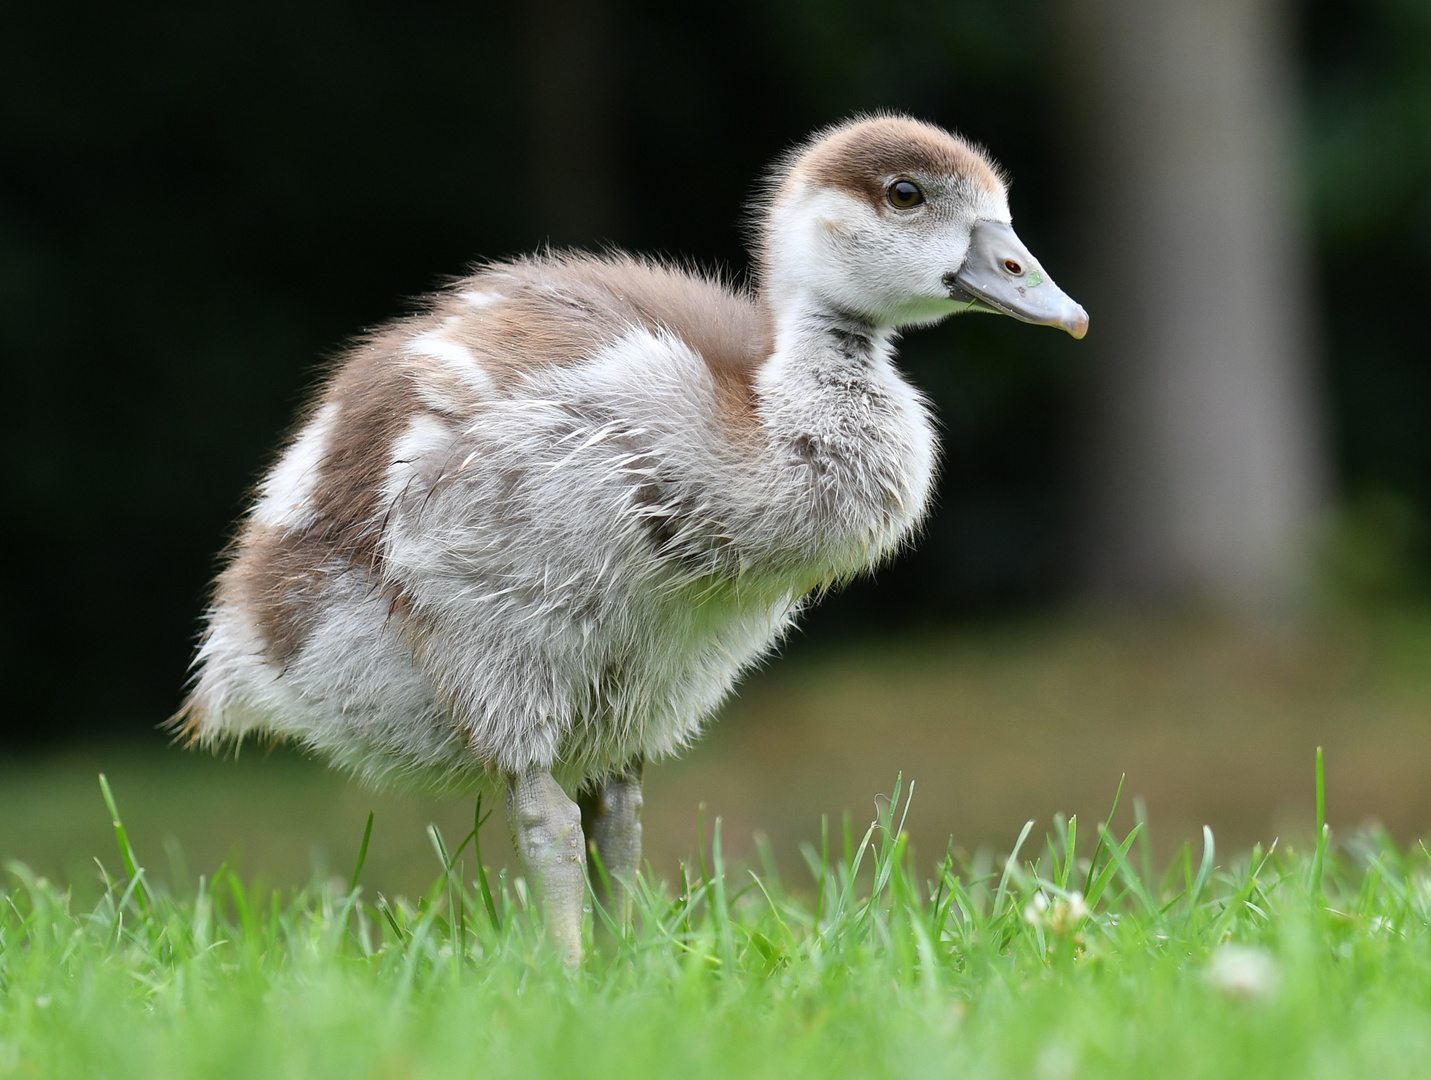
(546,830)
(611,819)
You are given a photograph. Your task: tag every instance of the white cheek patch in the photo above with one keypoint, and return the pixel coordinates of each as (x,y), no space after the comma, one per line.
(820,240)
(286,494)
(843,209)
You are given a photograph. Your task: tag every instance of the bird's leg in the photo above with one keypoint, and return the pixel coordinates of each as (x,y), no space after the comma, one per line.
(611,819)
(546,831)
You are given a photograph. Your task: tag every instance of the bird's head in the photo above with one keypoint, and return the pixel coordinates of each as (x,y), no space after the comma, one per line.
(901,223)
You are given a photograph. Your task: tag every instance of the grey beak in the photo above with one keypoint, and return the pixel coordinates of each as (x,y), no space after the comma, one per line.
(1000,275)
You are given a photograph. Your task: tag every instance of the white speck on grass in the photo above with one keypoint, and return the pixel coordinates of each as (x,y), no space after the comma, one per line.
(1056,1061)
(1034,909)
(1243,971)
(1061,916)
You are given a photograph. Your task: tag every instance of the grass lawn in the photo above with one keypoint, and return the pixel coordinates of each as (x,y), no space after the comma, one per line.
(248,947)
(1067,958)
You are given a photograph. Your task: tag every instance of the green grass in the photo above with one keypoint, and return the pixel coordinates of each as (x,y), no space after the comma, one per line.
(1069,957)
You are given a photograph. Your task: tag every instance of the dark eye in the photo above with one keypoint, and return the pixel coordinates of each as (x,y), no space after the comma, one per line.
(904,194)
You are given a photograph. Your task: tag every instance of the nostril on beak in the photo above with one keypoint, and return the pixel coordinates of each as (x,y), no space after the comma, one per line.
(1013,267)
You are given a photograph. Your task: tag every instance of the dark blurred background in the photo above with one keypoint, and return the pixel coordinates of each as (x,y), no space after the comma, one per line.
(200,203)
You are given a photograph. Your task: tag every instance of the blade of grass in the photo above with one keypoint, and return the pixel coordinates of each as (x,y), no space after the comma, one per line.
(908,802)
(1118,857)
(766,854)
(1009,865)
(126,852)
(352,900)
(1100,883)
(1204,870)
(598,884)
(398,933)
(362,853)
(487,900)
(1070,853)
(456,924)
(890,843)
(1098,849)
(846,900)
(790,940)
(722,910)
(1319,858)
(825,868)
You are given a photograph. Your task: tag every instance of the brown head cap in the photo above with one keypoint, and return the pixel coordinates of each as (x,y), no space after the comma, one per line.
(861,155)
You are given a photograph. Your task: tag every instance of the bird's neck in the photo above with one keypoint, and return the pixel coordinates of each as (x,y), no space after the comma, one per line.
(852,439)
(813,338)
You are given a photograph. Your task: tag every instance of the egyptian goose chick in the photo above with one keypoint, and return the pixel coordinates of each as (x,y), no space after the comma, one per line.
(540,528)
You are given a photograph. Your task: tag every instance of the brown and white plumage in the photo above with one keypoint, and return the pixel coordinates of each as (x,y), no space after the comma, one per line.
(540,528)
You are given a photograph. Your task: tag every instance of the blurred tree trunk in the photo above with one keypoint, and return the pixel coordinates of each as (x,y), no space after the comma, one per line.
(573,173)
(1203,454)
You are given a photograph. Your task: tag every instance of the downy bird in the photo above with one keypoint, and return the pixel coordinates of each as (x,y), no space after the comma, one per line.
(536,531)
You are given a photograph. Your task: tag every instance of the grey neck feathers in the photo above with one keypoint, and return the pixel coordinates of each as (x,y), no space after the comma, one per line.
(822,340)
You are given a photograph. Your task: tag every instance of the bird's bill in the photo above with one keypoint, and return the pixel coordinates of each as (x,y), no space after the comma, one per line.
(999,275)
